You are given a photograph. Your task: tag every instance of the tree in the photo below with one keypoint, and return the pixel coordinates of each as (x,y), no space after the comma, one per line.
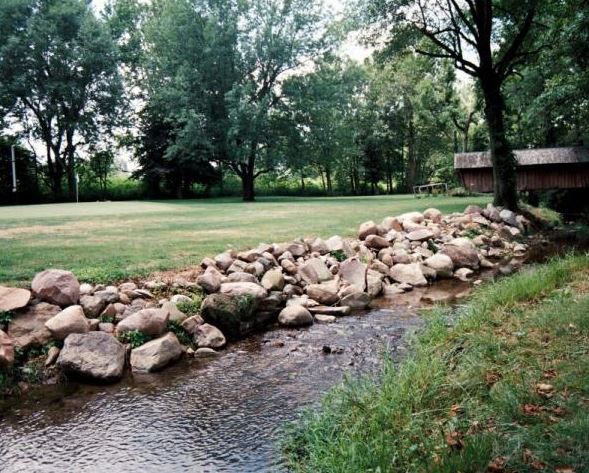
(60,67)
(277,36)
(497,32)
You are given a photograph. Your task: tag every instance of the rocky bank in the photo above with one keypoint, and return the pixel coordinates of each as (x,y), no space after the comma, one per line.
(98,333)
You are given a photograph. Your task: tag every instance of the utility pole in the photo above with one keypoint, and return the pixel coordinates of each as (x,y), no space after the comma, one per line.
(77,186)
(13,169)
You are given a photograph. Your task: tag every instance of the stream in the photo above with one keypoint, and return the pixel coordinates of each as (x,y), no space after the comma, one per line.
(224,414)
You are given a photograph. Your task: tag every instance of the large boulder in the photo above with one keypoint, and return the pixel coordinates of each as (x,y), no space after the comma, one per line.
(324,293)
(224,260)
(69,320)
(409,274)
(356,300)
(337,243)
(315,271)
(353,271)
(156,354)
(442,264)
(208,336)
(233,315)
(295,316)
(462,252)
(56,286)
(415,217)
(242,276)
(95,355)
(273,280)
(151,322)
(6,350)
(12,298)
(174,314)
(28,328)
(236,289)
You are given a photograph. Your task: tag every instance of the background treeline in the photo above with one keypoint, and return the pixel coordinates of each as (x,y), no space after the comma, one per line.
(183,98)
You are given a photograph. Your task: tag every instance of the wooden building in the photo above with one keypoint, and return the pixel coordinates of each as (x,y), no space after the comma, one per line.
(547,168)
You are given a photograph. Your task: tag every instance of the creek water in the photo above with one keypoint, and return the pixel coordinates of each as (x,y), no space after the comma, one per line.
(225,414)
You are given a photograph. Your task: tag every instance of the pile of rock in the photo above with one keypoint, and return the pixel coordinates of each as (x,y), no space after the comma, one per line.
(295,283)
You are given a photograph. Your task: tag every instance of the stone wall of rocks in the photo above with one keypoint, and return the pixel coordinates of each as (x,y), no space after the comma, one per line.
(294,284)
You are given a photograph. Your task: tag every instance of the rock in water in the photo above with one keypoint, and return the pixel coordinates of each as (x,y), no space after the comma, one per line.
(70,320)
(408,273)
(12,298)
(353,271)
(151,322)
(442,264)
(295,316)
(56,286)
(462,254)
(156,354)
(208,336)
(94,355)
(234,316)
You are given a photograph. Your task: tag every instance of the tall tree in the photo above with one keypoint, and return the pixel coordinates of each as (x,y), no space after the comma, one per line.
(487,39)
(60,67)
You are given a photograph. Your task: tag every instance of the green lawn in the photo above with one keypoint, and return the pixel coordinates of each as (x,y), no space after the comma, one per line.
(106,241)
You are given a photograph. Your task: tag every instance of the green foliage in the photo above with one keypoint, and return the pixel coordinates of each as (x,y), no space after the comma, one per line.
(338,255)
(183,336)
(472,377)
(135,338)
(5,317)
(192,307)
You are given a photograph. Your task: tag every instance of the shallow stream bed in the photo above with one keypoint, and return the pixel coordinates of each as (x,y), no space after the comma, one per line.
(216,415)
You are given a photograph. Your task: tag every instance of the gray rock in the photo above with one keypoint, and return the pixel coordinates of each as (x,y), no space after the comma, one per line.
(12,298)
(180,298)
(234,316)
(273,280)
(210,281)
(295,316)
(357,300)
(324,293)
(462,254)
(509,217)
(353,271)
(422,234)
(408,273)
(52,355)
(208,336)
(433,214)
(463,274)
(325,319)
(92,305)
(28,328)
(442,264)
(56,286)
(156,354)
(376,242)
(205,353)
(69,320)
(335,311)
(174,314)
(95,355)
(151,322)
(315,271)
(367,228)
(236,289)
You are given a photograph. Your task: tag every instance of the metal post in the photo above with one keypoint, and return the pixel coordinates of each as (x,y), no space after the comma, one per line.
(13,169)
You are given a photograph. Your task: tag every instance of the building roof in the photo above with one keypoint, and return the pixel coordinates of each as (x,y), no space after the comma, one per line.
(525,157)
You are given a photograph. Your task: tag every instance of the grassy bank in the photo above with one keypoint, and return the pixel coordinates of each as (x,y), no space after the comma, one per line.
(108,241)
(499,385)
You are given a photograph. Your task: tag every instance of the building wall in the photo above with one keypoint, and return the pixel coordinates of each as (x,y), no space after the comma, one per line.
(561,176)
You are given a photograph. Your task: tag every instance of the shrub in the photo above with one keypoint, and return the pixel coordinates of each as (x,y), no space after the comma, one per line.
(183,336)
(339,255)
(135,338)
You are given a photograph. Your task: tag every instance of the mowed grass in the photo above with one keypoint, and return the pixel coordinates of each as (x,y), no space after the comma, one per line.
(109,241)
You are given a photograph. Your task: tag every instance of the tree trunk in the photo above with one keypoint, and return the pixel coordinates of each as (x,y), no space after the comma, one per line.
(302,183)
(411,176)
(248,177)
(502,157)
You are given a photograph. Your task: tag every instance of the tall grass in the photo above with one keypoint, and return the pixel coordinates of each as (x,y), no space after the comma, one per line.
(456,403)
